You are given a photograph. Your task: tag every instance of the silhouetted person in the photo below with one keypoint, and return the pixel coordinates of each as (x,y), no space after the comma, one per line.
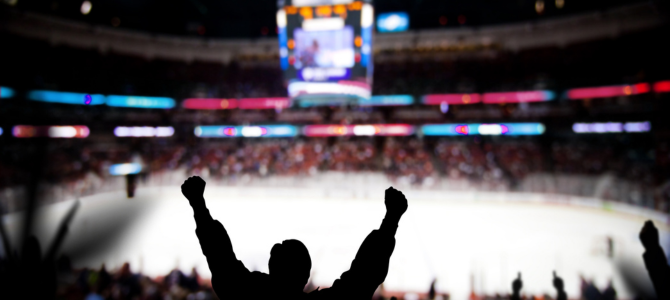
(517,284)
(290,262)
(131,185)
(431,292)
(655,260)
(609,293)
(590,291)
(560,291)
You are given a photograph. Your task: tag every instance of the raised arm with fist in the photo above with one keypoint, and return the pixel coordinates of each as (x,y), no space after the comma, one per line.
(193,189)
(396,203)
(649,236)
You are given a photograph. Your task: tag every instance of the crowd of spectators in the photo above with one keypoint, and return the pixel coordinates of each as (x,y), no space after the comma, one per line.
(487,164)
(409,159)
(123,283)
(99,284)
(471,159)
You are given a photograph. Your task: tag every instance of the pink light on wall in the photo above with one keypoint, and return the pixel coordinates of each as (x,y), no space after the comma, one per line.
(662,86)
(452,99)
(209,103)
(608,91)
(518,97)
(264,103)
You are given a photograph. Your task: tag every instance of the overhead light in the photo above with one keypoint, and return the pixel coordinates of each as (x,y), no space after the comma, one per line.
(560,4)
(539,7)
(86,7)
(281,18)
(367,15)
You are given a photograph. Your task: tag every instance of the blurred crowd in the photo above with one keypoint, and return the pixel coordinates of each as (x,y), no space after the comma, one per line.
(123,283)
(488,164)
(100,284)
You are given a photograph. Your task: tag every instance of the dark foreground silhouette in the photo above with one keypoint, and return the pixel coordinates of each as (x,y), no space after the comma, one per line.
(290,263)
(654,259)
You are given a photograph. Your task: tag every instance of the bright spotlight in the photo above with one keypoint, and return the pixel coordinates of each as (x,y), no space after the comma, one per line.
(560,4)
(367,15)
(539,7)
(86,7)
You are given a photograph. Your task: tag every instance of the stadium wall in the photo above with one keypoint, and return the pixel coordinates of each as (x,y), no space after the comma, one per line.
(513,37)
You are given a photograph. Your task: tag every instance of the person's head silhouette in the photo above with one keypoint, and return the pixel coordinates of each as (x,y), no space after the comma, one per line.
(290,265)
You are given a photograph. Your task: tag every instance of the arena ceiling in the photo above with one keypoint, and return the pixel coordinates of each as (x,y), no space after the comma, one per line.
(256,18)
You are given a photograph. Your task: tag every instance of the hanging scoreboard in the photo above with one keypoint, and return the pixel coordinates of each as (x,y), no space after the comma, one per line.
(325,48)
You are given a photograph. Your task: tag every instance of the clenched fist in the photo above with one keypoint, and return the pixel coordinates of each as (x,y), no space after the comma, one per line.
(193,189)
(649,235)
(395,201)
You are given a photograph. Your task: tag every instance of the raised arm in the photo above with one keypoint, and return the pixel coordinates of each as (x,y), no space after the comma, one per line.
(560,290)
(228,274)
(655,260)
(370,267)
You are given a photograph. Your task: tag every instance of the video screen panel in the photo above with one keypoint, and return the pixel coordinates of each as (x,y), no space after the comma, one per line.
(325,48)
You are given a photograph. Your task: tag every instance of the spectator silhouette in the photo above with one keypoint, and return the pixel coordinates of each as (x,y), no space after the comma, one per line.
(655,260)
(290,262)
(517,284)
(560,291)
(609,293)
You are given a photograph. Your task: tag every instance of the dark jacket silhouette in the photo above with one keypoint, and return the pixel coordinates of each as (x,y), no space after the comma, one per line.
(290,263)
(655,260)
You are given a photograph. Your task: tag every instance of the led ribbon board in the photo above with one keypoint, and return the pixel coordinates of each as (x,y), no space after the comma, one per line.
(125,169)
(451,99)
(264,103)
(208,103)
(388,100)
(27,131)
(518,97)
(662,86)
(144,131)
(65,97)
(393,22)
(6,92)
(140,101)
(608,91)
(246,131)
(358,130)
(483,129)
(611,127)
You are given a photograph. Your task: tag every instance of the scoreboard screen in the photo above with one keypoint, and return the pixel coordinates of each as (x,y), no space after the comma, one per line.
(325,49)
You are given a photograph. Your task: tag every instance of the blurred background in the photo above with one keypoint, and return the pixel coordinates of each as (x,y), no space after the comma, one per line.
(528,135)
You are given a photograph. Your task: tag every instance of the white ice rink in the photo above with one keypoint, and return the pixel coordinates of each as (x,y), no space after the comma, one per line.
(464,242)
